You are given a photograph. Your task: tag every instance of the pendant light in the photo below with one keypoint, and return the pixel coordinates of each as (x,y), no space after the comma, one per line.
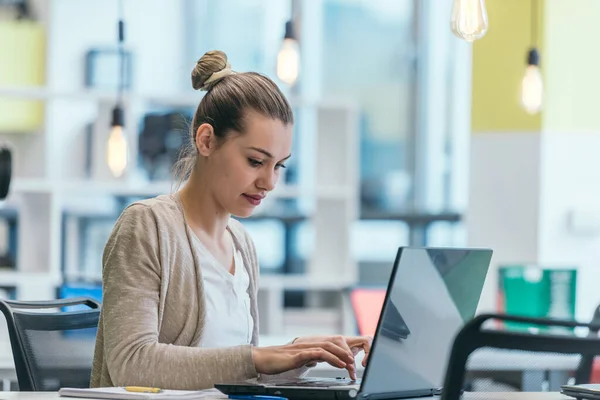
(532,85)
(116,149)
(288,58)
(469,19)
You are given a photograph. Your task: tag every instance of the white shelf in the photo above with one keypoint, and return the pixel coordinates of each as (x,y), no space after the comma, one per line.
(30,185)
(19,278)
(187,99)
(89,187)
(116,188)
(304,282)
(31,285)
(336,192)
(42,93)
(82,276)
(268,282)
(341,192)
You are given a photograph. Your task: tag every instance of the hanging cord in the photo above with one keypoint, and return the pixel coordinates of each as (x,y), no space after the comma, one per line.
(117,112)
(533,55)
(293,16)
(121,33)
(534,27)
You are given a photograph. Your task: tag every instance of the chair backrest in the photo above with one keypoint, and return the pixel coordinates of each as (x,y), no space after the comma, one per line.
(52,345)
(531,343)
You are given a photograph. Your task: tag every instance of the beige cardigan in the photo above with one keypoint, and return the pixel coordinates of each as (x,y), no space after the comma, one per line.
(153,307)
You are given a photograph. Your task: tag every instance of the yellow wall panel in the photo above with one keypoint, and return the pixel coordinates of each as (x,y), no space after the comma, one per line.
(499,61)
(22,63)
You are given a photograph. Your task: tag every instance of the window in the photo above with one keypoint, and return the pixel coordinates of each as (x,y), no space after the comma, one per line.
(368,57)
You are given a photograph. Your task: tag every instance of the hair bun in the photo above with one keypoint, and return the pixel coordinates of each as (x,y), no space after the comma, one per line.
(210,68)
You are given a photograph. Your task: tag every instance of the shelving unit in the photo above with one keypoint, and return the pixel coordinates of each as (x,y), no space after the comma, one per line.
(52,187)
(51,183)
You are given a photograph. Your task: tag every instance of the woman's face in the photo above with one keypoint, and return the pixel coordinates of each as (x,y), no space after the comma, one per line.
(246,166)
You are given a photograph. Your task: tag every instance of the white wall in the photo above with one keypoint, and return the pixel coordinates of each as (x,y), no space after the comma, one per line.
(570,211)
(503,202)
(535,198)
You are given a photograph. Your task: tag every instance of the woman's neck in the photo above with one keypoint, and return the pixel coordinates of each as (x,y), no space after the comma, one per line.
(201,208)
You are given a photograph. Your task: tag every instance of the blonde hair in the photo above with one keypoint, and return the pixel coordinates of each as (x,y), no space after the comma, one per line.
(227,102)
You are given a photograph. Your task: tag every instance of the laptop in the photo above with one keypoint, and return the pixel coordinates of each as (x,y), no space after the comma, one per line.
(431,293)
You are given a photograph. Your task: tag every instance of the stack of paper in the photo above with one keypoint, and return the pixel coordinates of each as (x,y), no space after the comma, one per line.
(121,393)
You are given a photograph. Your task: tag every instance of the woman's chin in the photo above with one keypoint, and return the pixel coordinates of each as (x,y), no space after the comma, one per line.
(243,212)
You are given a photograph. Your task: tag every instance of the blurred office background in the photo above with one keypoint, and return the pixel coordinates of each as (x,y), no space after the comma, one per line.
(405,135)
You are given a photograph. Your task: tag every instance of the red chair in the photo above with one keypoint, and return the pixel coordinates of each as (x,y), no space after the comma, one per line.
(367,304)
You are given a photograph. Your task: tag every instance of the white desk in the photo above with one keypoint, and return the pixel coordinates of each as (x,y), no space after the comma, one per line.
(54,396)
(467,396)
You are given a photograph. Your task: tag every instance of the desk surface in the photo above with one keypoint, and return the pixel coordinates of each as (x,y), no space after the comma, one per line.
(468,396)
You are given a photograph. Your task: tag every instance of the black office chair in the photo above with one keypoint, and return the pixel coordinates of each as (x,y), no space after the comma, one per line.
(52,348)
(584,373)
(474,336)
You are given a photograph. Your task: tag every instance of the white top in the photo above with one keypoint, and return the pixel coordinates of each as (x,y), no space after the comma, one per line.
(228,321)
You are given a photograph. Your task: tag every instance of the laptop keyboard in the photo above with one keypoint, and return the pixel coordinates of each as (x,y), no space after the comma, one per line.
(319,382)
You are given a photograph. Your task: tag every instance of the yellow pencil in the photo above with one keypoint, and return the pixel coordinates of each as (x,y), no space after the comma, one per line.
(141,389)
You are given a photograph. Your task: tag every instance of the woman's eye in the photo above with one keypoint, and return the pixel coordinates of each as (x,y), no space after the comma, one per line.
(279,166)
(254,163)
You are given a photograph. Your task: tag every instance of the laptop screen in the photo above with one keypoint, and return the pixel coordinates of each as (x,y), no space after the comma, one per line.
(431,294)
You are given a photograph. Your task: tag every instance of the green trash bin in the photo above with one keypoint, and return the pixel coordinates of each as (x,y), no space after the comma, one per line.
(534,291)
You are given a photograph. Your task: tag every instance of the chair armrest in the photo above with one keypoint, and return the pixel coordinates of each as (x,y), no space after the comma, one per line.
(480,319)
(53,303)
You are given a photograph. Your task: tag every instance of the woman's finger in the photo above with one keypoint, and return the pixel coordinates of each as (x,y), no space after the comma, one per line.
(343,343)
(367,349)
(340,352)
(361,342)
(318,354)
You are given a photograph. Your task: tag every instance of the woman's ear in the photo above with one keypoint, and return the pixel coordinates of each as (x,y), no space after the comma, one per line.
(206,140)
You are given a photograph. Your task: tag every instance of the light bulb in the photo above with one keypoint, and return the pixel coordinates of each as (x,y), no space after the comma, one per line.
(532,85)
(116,151)
(532,90)
(288,58)
(288,61)
(469,19)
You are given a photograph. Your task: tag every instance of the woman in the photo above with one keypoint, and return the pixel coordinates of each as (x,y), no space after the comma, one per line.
(180,275)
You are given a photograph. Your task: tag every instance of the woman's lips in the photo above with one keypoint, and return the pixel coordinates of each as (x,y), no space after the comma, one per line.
(253,199)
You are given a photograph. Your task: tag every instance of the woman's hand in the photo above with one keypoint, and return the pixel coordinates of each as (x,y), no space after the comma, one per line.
(353,344)
(278,359)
